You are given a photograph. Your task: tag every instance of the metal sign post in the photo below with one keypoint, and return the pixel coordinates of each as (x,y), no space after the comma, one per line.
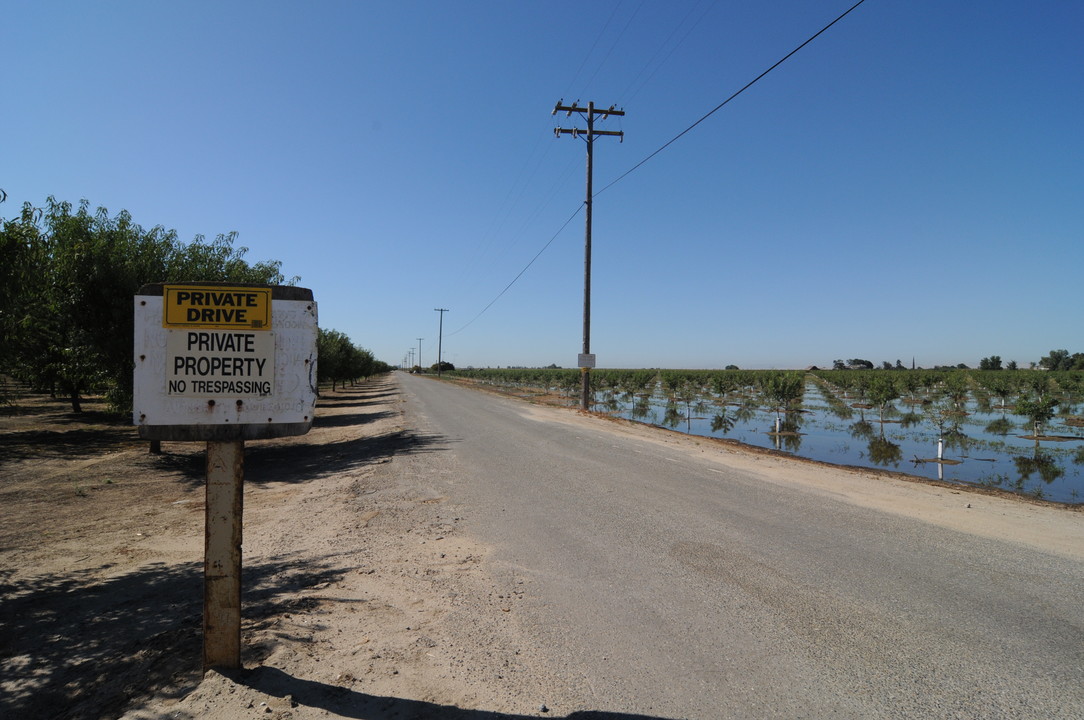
(222,364)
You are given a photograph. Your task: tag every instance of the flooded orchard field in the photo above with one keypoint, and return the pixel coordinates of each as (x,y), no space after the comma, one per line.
(1013,430)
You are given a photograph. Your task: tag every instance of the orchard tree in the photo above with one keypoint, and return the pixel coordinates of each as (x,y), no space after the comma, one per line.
(21,262)
(339,360)
(332,352)
(1039,409)
(882,390)
(70,327)
(783,389)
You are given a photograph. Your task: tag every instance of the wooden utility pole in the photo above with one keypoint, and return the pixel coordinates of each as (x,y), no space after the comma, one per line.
(586,361)
(440,337)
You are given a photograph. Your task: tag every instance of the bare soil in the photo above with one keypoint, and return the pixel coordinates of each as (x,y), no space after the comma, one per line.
(362,596)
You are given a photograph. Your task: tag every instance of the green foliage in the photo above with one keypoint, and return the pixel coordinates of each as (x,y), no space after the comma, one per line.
(784,389)
(956,388)
(1056,360)
(340,360)
(69,276)
(1039,409)
(882,390)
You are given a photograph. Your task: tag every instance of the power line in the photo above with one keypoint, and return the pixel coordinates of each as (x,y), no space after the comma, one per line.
(625,97)
(659,150)
(598,39)
(724,102)
(517,277)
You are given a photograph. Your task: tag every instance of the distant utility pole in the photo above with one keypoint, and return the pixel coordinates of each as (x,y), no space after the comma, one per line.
(420,354)
(586,361)
(440,337)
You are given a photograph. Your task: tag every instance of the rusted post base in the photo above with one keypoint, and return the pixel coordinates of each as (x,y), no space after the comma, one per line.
(222,556)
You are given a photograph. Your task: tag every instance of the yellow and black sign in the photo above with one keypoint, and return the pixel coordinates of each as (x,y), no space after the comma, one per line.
(216,307)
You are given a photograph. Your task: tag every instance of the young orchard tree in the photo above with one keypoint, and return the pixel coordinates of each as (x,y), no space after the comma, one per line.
(1001,387)
(1039,409)
(956,388)
(882,390)
(783,389)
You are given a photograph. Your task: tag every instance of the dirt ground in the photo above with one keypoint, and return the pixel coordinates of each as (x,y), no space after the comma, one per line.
(362,597)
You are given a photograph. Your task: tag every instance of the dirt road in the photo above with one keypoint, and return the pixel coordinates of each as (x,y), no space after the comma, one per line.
(364,597)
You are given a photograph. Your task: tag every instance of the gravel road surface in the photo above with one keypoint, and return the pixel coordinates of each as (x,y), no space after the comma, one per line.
(662,580)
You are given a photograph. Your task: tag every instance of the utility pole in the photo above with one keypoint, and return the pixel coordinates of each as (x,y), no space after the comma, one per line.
(586,361)
(420,354)
(440,337)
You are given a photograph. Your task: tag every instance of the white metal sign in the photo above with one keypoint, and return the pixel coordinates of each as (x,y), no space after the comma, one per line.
(213,363)
(585,360)
(259,377)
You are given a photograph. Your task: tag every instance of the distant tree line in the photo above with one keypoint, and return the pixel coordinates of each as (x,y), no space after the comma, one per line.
(1056,360)
(341,361)
(1062,360)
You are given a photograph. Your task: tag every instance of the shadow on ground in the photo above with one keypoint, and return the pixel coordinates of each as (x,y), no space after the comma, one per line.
(80,645)
(354,397)
(348,703)
(77,646)
(302,462)
(308,457)
(77,444)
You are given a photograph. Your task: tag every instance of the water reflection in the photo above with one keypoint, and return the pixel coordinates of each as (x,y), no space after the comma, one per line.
(982,403)
(825,428)
(862,430)
(884,452)
(958,440)
(786,435)
(745,412)
(910,419)
(673,416)
(722,423)
(1040,463)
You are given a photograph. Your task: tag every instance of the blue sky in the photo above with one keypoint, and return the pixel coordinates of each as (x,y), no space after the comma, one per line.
(909,185)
